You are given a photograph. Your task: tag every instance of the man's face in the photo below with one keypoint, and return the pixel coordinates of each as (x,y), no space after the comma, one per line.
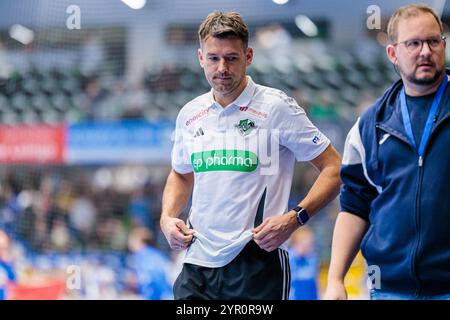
(225,62)
(423,66)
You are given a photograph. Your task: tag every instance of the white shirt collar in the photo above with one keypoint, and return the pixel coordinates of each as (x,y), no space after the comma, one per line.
(242,100)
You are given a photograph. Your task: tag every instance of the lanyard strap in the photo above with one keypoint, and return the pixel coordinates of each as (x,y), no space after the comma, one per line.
(431,114)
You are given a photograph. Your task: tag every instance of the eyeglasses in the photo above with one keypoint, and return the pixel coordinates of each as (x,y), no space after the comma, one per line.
(415,45)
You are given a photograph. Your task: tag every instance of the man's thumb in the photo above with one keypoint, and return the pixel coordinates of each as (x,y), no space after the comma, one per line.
(180,224)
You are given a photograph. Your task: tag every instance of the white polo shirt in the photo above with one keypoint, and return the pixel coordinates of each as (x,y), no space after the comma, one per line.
(243,160)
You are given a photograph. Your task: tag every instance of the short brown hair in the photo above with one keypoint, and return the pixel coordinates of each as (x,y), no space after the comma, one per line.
(224,25)
(405,12)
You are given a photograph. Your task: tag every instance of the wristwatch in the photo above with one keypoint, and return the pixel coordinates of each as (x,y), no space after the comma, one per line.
(302,215)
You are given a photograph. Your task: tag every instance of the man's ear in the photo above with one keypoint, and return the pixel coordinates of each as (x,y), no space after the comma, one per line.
(200,56)
(249,56)
(391,54)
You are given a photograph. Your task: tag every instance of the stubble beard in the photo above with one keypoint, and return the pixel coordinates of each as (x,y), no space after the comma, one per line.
(427,80)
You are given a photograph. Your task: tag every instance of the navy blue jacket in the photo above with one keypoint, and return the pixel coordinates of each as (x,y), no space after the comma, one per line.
(407,203)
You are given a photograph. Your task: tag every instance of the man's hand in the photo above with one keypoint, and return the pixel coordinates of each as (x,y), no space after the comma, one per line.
(270,234)
(176,232)
(335,291)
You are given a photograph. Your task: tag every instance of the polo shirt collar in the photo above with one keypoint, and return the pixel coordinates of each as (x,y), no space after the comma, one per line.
(242,100)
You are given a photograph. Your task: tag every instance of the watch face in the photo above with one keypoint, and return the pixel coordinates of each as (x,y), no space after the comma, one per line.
(302,216)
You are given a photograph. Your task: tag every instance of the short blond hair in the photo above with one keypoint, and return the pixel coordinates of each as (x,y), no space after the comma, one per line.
(405,12)
(224,25)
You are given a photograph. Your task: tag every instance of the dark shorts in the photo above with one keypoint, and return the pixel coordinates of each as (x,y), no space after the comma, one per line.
(253,274)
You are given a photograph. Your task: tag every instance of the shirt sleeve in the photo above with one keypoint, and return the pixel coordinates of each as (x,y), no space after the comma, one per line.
(180,155)
(297,132)
(357,191)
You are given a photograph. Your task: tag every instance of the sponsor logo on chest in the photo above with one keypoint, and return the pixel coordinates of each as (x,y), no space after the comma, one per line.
(196,117)
(254,112)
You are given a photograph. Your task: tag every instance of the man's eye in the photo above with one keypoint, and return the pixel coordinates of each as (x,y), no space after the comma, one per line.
(434,42)
(413,43)
(213,59)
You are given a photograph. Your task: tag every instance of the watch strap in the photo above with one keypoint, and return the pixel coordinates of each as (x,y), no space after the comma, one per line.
(302,215)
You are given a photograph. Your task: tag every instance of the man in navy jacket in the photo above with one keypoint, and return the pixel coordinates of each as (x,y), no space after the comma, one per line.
(395,197)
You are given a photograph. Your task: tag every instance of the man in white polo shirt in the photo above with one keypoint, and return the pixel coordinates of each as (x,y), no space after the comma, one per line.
(236,148)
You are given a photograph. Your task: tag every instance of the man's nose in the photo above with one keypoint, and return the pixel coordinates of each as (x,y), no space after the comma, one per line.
(426,49)
(222,65)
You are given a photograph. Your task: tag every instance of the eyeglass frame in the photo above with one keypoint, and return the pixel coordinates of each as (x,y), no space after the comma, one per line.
(441,38)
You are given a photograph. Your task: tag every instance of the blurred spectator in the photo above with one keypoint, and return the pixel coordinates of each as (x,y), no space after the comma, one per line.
(59,236)
(94,95)
(323,108)
(136,101)
(112,234)
(92,55)
(5,66)
(60,203)
(112,107)
(139,209)
(82,215)
(166,79)
(10,208)
(366,100)
(304,263)
(40,238)
(99,281)
(151,266)
(7,272)
(26,227)
(276,44)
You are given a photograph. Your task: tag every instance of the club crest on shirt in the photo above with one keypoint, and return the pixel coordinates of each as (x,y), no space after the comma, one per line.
(245,126)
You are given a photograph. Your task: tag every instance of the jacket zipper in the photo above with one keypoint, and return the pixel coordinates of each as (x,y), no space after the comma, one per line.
(417,206)
(417,222)
(418,196)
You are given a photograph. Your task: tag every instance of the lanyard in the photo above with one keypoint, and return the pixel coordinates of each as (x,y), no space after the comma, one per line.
(429,123)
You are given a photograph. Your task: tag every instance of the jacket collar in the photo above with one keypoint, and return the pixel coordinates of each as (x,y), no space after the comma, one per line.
(388,113)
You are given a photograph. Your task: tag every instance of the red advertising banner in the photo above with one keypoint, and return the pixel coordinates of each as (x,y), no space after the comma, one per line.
(32,144)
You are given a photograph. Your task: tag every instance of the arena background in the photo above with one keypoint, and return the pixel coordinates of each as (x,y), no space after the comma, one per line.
(89,91)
